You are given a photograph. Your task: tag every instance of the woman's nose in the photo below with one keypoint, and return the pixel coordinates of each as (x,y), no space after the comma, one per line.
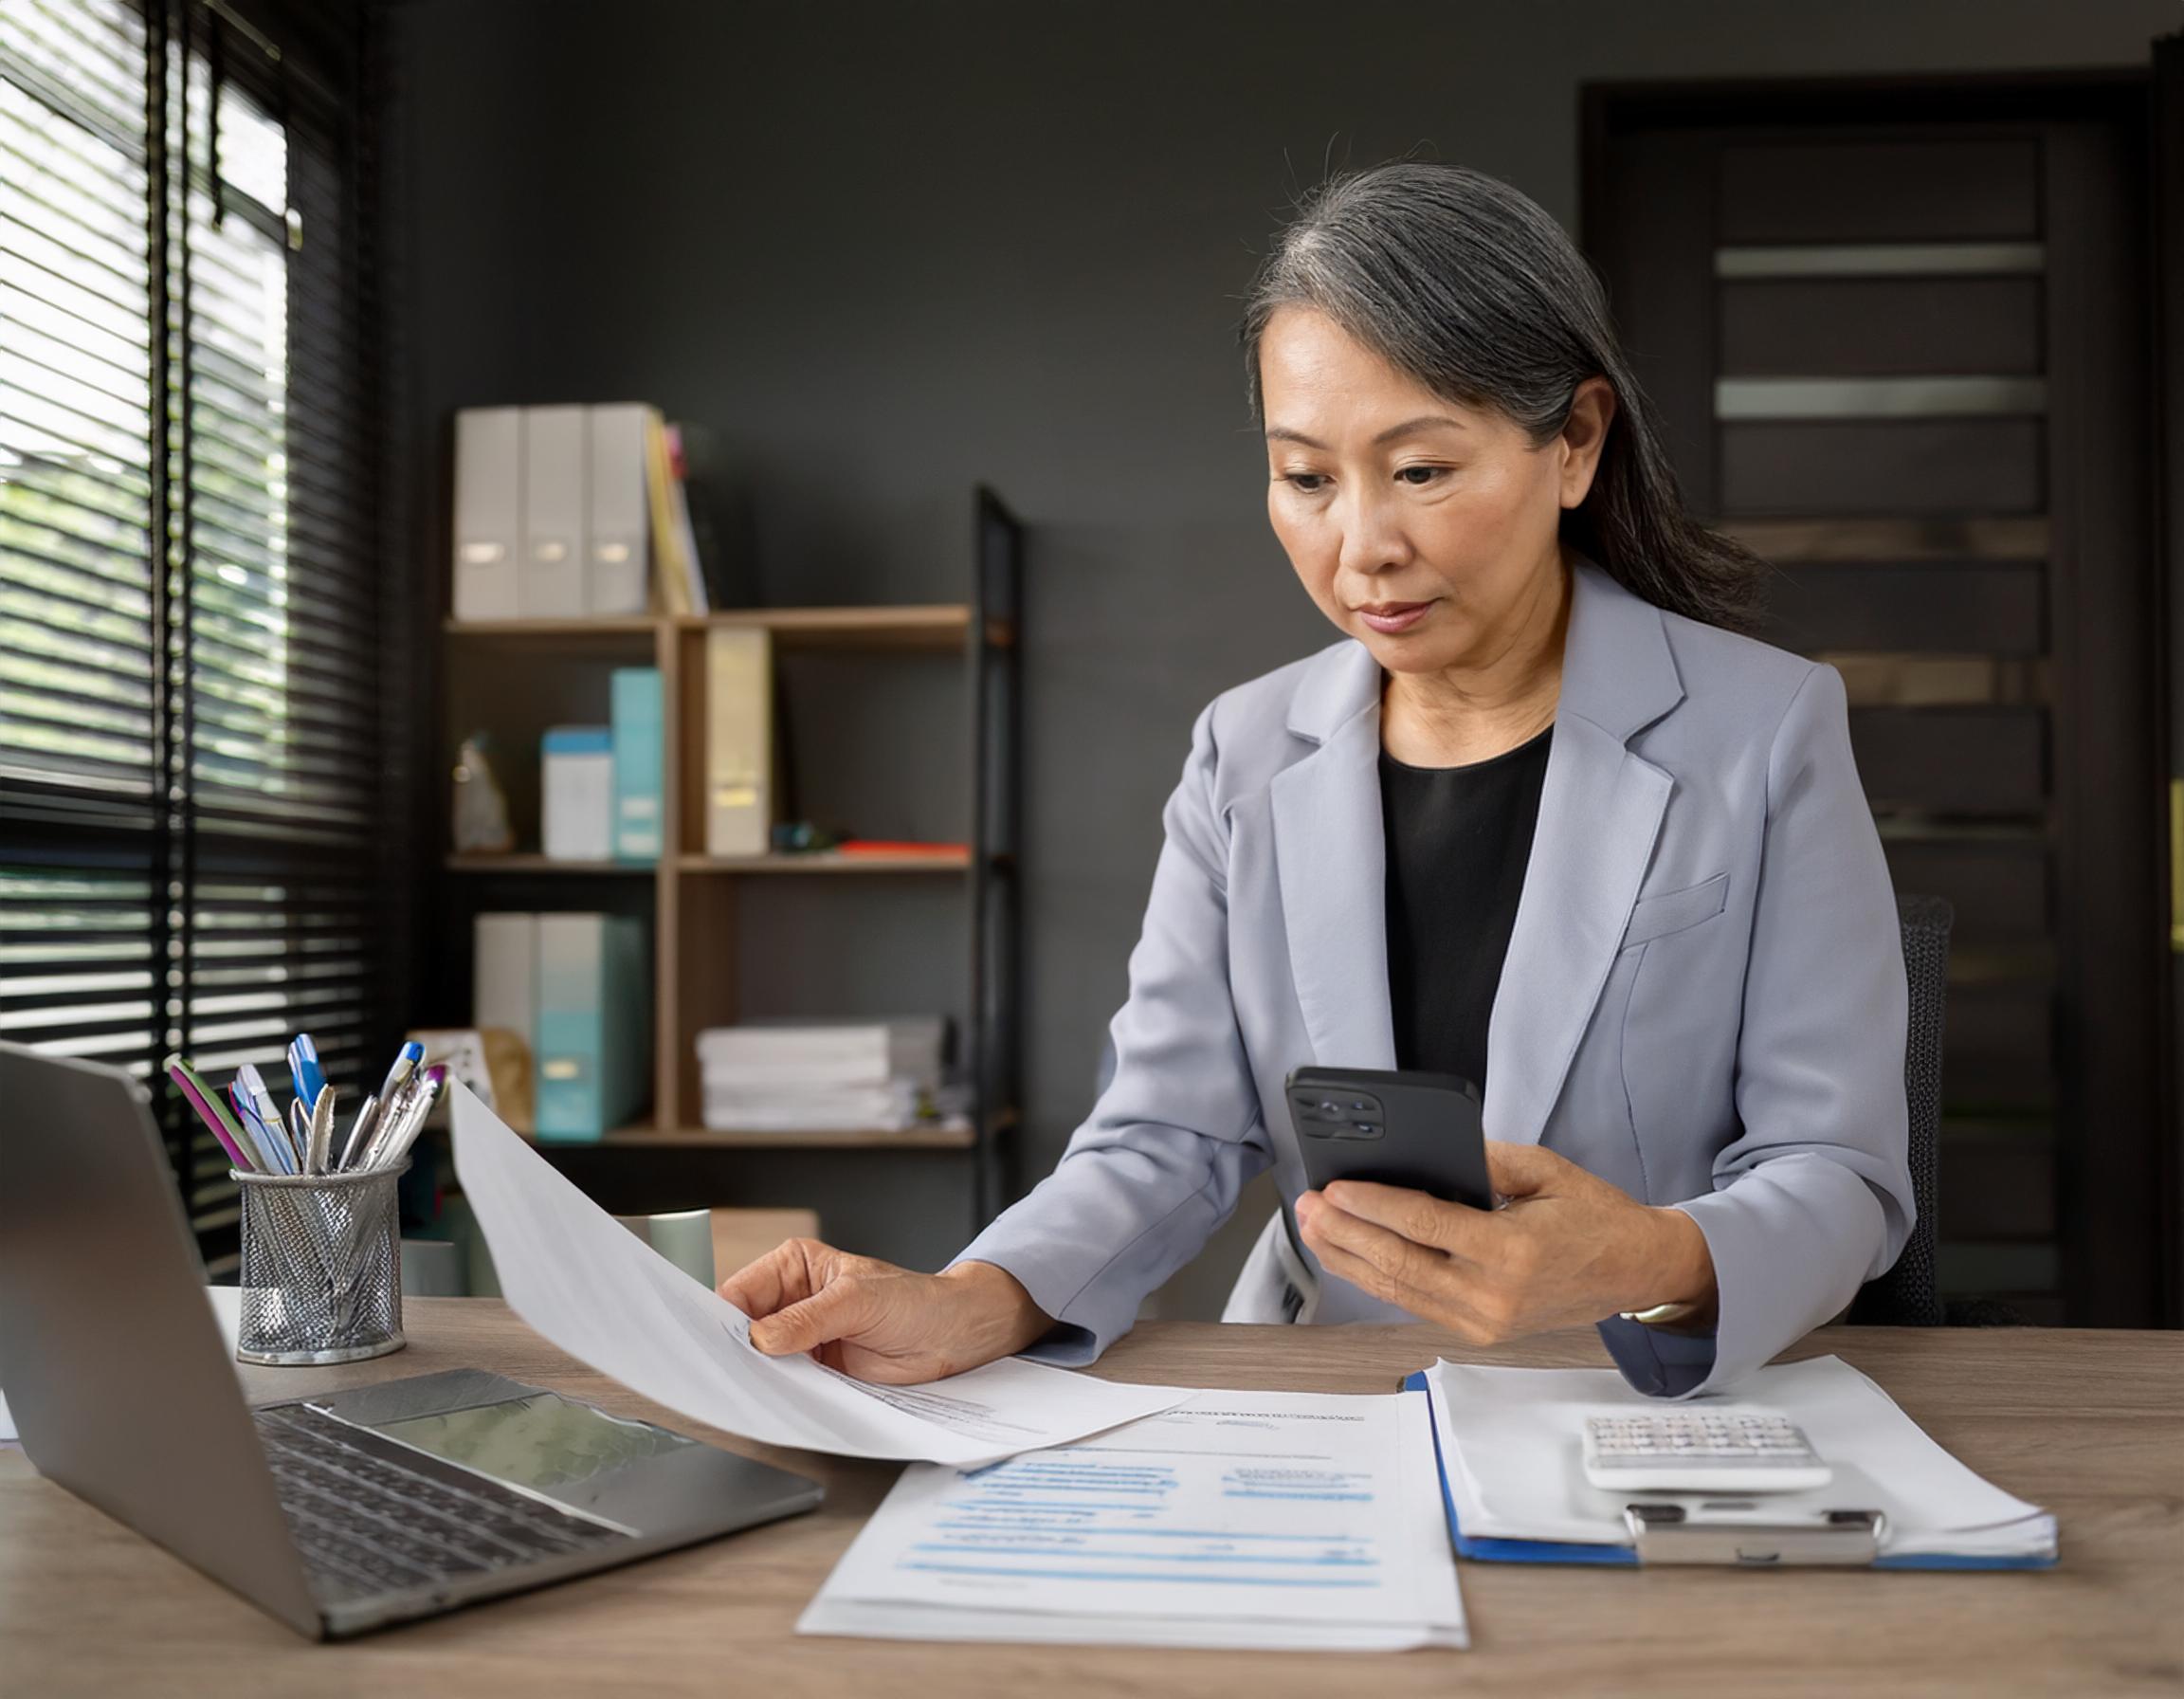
(1372,541)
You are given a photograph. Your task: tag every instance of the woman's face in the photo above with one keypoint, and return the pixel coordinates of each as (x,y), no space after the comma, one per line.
(1425,529)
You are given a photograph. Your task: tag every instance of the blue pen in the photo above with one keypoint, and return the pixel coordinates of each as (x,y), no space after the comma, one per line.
(254,1086)
(304,1070)
(272,1149)
(404,1065)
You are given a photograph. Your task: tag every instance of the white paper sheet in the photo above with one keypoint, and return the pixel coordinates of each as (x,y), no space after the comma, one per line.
(227,1309)
(605,1296)
(1298,1521)
(1514,1442)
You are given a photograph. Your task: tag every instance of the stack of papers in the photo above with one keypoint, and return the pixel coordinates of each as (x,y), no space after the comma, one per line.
(820,1076)
(1512,1450)
(1269,1521)
(608,1299)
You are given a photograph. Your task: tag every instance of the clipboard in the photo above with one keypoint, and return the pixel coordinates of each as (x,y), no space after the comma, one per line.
(1666,1533)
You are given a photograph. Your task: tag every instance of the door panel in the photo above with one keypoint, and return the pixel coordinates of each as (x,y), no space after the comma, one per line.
(1893,335)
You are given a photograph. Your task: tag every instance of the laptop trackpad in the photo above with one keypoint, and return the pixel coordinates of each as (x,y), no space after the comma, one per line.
(634,1474)
(545,1442)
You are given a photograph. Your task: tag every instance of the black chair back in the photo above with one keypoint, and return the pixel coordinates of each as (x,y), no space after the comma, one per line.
(1909,1295)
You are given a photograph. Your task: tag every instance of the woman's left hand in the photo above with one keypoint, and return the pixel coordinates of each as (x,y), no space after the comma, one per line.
(1568,1249)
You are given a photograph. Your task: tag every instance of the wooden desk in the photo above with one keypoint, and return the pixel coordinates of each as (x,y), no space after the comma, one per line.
(2087,1424)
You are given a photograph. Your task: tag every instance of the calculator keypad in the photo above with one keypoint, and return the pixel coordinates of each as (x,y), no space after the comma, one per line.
(1698,1438)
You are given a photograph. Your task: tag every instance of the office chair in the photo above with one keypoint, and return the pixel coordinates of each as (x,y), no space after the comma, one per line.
(1909,1294)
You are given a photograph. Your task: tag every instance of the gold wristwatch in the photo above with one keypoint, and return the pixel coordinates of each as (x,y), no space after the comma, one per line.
(1661,1315)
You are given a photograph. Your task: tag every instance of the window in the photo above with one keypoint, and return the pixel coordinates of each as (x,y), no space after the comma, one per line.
(201,794)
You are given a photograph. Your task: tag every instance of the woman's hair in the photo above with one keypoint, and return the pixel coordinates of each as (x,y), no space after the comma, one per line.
(1470,287)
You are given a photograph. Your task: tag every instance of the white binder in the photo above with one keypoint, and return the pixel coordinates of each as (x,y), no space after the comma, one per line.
(505,970)
(488,511)
(553,520)
(615,553)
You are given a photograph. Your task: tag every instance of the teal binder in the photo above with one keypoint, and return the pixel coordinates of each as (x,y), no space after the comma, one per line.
(636,712)
(1562,1551)
(593,1024)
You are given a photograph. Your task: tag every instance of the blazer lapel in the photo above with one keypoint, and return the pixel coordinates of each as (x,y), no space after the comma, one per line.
(1600,812)
(1329,860)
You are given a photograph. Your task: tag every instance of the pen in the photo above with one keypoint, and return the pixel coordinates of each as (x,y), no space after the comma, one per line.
(212,1113)
(299,1132)
(354,1144)
(394,1110)
(390,1098)
(303,1070)
(398,1142)
(271,1147)
(256,1094)
(404,1064)
(321,1125)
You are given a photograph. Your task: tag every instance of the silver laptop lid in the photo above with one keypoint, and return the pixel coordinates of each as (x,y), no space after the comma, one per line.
(110,1359)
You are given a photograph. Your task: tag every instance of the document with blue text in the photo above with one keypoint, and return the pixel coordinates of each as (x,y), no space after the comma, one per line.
(1287,1521)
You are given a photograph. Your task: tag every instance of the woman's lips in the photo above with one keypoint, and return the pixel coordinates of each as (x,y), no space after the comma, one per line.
(1390,617)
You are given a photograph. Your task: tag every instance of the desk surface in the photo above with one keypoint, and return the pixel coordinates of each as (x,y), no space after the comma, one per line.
(2085,1423)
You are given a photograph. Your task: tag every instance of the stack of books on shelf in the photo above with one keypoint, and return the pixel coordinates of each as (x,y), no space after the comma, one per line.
(572,513)
(826,1076)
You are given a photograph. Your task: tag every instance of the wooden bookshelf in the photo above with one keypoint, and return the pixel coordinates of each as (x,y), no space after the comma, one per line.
(547,864)
(937,628)
(633,625)
(515,677)
(812,861)
(828,861)
(646,1136)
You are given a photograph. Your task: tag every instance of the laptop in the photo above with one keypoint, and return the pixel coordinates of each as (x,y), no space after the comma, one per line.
(336,1513)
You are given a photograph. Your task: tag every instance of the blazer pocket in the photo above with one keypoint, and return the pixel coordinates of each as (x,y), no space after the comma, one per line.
(1671,912)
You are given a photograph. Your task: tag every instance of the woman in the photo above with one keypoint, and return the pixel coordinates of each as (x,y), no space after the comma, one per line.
(1542,818)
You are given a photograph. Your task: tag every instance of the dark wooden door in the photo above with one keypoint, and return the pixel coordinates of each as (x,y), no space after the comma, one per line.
(2167,112)
(1899,334)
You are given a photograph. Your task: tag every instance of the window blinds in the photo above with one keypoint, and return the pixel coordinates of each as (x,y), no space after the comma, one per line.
(201,808)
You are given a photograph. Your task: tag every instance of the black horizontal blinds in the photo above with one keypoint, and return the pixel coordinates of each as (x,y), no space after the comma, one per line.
(76,596)
(82,884)
(193,710)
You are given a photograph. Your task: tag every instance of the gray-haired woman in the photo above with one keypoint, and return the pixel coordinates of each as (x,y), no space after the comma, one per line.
(1542,818)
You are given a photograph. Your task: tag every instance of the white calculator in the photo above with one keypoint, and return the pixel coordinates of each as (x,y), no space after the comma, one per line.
(1745,1449)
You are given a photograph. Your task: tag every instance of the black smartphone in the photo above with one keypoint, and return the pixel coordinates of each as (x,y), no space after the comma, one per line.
(1419,1130)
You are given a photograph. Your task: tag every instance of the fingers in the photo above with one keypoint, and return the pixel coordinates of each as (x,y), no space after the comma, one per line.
(829,1314)
(1394,1253)
(1448,1305)
(1416,1215)
(786,1274)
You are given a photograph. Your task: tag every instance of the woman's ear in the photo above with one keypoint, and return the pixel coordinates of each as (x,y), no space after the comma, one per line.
(1584,434)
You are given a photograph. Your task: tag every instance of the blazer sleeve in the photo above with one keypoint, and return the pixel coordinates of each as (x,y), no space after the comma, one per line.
(1814,1196)
(1175,1132)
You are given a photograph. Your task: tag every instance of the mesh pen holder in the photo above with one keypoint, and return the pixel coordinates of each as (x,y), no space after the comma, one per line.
(321,1267)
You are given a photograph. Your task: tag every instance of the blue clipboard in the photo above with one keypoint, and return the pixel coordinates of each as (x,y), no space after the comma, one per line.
(1563,1551)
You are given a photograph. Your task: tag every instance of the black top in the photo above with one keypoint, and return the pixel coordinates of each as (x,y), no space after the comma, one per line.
(1458,840)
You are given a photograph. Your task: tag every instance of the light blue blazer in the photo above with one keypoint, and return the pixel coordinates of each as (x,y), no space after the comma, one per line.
(1702,1000)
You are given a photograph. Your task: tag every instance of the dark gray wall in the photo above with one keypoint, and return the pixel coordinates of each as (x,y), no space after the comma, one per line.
(881,249)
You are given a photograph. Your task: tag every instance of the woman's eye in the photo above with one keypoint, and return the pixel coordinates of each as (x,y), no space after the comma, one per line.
(1430,474)
(1307,481)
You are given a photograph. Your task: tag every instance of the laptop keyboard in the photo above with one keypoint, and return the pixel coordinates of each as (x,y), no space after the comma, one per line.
(371,1515)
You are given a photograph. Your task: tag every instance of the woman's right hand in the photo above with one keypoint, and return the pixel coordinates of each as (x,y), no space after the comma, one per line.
(880,1323)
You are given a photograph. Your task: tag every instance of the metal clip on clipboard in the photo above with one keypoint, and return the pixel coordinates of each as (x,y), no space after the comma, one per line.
(1668,1533)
